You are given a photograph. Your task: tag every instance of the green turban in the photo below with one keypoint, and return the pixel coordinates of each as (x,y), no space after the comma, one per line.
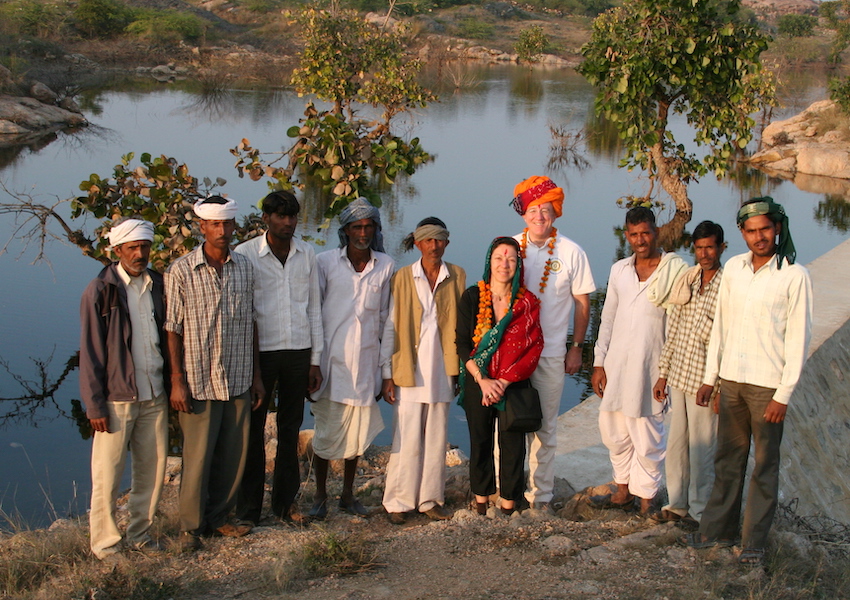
(767,207)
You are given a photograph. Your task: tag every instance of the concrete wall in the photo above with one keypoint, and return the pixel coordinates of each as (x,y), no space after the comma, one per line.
(816,444)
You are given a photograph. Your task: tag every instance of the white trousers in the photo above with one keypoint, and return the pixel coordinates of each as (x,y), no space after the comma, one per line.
(691,445)
(636,447)
(548,380)
(141,428)
(416,472)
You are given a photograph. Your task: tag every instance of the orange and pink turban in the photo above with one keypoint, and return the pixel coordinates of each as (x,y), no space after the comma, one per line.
(535,191)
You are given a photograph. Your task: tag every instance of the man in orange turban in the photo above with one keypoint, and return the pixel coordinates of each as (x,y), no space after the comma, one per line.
(556,271)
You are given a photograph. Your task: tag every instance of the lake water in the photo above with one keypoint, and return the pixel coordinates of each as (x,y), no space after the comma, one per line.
(485,139)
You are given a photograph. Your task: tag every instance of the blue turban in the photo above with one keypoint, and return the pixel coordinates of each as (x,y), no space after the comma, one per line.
(361,209)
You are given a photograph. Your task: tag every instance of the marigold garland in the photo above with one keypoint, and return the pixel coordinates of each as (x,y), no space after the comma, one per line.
(551,245)
(484,319)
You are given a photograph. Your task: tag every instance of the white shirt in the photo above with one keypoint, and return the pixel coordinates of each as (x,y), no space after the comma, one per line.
(432,383)
(286,298)
(355,307)
(144,341)
(762,326)
(569,276)
(631,336)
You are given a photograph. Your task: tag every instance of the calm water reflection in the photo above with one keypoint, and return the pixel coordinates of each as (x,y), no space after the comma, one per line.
(485,138)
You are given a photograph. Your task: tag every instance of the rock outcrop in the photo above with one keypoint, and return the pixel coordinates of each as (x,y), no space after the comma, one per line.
(24,119)
(806,150)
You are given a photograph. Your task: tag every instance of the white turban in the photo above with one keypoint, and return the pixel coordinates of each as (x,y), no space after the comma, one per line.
(131,230)
(213,211)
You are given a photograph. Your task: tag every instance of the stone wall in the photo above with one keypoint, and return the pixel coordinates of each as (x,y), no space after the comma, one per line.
(816,444)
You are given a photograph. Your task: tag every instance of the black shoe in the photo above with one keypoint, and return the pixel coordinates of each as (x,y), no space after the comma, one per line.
(353,507)
(319,510)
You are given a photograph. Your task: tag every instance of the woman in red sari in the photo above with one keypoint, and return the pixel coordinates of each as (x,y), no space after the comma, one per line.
(499,341)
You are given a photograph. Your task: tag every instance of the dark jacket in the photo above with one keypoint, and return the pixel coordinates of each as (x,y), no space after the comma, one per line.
(107,373)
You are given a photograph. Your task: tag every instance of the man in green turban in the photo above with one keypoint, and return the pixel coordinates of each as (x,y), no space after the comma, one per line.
(757,349)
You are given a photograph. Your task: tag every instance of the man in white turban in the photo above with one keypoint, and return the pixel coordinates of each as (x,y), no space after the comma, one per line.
(122,312)
(215,374)
(354,283)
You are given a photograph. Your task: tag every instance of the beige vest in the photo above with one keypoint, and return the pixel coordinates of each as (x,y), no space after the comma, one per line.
(408,318)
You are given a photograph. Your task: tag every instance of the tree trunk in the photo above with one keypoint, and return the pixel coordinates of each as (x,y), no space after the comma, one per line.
(672,183)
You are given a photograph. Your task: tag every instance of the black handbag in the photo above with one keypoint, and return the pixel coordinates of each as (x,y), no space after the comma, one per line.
(522,412)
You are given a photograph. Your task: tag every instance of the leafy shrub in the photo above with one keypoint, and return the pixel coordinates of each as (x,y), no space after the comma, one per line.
(531,44)
(475,29)
(101,18)
(839,92)
(797,25)
(33,18)
(166,26)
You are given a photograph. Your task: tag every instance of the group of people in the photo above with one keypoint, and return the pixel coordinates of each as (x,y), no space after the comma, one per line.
(226,331)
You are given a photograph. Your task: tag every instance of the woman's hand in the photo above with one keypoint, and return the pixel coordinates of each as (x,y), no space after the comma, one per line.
(492,390)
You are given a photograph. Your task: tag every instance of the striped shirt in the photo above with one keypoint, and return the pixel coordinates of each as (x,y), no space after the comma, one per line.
(215,317)
(682,361)
(762,326)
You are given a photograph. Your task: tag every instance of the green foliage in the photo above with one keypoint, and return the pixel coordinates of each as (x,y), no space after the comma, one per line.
(475,29)
(650,57)
(839,92)
(33,18)
(166,26)
(836,13)
(531,44)
(160,190)
(101,18)
(797,25)
(262,6)
(346,59)
(347,159)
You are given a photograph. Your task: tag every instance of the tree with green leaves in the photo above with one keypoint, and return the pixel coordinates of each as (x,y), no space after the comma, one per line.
(346,62)
(532,42)
(160,190)
(836,14)
(650,59)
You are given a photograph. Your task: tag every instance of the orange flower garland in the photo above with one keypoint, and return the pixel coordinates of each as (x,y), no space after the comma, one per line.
(484,320)
(550,244)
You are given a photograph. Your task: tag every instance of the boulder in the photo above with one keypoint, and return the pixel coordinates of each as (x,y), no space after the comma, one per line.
(27,115)
(823,160)
(42,93)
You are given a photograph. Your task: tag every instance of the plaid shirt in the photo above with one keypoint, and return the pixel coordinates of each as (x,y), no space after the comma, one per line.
(215,317)
(682,360)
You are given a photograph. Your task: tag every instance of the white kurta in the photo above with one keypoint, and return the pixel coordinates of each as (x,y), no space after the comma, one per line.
(355,307)
(631,336)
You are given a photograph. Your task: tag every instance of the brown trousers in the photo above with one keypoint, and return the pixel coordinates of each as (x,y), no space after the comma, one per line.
(741,417)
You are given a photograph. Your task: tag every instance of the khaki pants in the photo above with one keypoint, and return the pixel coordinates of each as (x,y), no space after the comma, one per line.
(215,443)
(141,428)
(548,380)
(691,445)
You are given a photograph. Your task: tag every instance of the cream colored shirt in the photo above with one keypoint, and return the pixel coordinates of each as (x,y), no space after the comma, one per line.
(144,341)
(286,298)
(762,326)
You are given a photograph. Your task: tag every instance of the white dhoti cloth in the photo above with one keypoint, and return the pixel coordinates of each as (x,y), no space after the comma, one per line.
(636,446)
(344,431)
(416,473)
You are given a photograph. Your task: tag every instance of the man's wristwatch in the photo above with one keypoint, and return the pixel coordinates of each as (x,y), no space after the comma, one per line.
(578,345)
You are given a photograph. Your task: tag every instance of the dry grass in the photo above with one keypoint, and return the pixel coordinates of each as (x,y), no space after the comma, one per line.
(833,119)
